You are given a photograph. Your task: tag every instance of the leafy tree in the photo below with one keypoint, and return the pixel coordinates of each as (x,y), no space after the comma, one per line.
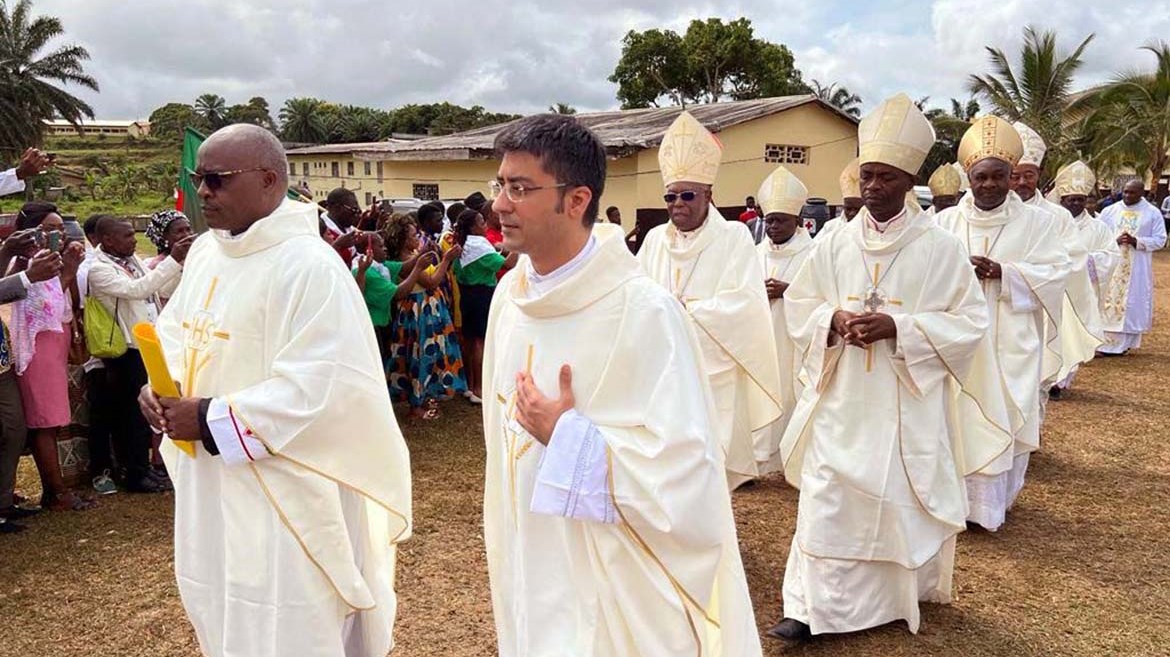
(302,120)
(1127,122)
(28,96)
(168,122)
(838,97)
(713,60)
(255,111)
(562,108)
(949,128)
(213,109)
(1038,91)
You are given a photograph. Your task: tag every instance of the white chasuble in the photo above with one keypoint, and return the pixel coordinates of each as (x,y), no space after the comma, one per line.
(872,444)
(782,262)
(654,568)
(1080,331)
(292,551)
(1024,307)
(1104,254)
(1129,299)
(716,275)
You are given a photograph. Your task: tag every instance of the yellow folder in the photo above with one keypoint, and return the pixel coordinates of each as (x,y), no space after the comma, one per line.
(161,380)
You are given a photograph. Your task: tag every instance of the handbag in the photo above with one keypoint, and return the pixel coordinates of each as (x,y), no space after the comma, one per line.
(103,336)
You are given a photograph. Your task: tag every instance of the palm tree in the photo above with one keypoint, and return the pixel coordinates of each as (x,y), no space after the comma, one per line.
(213,109)
(1127,122)
(839,97)
(27,95)
(301,120)
(562,108)
(1036,93)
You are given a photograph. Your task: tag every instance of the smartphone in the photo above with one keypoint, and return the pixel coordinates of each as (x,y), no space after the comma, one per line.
(53,241)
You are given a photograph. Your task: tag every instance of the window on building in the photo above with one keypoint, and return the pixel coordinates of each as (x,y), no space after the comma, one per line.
(349,169)
(426,191)
(785,154)
(367,165)
(369,199)
(292,168)
(336,169)
(305,169)
(379,172)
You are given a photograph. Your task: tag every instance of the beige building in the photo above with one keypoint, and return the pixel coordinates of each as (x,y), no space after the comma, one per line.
(813,139)
(95,128)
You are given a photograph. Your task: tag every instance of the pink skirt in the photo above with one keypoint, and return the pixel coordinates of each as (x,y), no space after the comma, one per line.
(44,386)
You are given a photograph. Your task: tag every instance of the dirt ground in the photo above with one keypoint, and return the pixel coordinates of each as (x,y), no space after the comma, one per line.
(1081,568)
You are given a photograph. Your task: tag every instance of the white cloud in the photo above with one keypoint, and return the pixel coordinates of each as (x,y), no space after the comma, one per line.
(522,57)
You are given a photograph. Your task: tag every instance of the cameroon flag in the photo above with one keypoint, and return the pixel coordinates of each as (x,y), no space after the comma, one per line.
(187,201)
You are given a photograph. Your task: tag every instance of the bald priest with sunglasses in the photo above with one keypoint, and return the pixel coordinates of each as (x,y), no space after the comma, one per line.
(294,488)
(710,265)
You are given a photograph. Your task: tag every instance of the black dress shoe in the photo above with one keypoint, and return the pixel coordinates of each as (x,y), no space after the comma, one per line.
(18,513)
(9,527)
(146,484)
(790,630)
(1055,393)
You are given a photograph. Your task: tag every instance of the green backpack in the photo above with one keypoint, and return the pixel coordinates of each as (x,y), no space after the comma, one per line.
(103,336)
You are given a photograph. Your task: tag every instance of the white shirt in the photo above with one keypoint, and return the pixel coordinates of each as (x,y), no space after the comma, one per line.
(9,183)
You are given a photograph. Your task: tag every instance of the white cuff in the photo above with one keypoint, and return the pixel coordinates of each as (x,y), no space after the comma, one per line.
(573,477)
(236,442)
(24,281)
(1023,301)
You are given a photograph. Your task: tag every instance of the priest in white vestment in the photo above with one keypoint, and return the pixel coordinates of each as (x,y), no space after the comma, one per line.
(851,202)
(1074,183)
(710,265)
(1080,330)
(945,188)
(1139,229)
(1018,253)
(888,314)
(783,250)
(607,519)
(288,513)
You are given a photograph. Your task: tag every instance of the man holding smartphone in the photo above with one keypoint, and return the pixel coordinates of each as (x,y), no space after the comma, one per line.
(31,164)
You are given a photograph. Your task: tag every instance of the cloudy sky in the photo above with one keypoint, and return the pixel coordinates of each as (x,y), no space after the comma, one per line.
(521,56)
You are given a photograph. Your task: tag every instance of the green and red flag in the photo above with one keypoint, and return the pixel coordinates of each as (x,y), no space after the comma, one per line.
(186,200)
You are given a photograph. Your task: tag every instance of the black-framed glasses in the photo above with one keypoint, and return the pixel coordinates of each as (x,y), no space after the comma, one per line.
(515,191)
(216,179)
(687,196)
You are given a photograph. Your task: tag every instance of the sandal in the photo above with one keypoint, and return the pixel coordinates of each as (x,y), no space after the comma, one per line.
(68,501)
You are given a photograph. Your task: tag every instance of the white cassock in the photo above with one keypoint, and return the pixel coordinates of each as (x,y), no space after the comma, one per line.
(715,272)
(285,542)
(1024,307)
(1103,255)
(830,226)
(872,444)
(782,262)
(603,230)
(618,537)
(1080,331)
(1129,299)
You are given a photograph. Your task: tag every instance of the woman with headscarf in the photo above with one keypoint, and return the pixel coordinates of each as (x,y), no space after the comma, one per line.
(166,227)
(41,333)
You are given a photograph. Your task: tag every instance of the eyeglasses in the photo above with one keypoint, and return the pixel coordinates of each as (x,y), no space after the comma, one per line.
(515,191)
(687,196)
(216,179)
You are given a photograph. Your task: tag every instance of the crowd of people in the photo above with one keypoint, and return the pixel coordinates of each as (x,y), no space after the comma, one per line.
(895,368)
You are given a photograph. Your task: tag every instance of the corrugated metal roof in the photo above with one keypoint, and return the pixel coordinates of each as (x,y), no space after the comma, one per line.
(621,131)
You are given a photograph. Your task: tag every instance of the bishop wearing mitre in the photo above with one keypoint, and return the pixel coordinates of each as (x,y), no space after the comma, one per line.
(1018,252)
(889,316)
(710,266)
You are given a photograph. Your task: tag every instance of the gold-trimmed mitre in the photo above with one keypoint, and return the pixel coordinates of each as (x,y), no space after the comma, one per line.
(851,180)
(897,133)
(689,152)
(990,136)
(1075,179)
(945,181)
(1034,146)
(782,192)
(964,183)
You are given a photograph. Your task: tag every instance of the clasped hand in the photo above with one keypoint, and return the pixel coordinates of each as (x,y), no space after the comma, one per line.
(539,414)
(863,329)
(986,268)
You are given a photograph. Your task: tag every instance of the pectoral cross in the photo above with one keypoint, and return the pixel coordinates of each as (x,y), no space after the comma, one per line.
(875,300)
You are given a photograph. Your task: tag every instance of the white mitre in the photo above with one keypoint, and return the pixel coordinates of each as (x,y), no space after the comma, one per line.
(897,133)
(782,192)
(1034,146)
(689,152)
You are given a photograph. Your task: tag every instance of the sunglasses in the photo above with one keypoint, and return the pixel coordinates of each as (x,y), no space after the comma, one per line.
(687,196)
(216,179)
